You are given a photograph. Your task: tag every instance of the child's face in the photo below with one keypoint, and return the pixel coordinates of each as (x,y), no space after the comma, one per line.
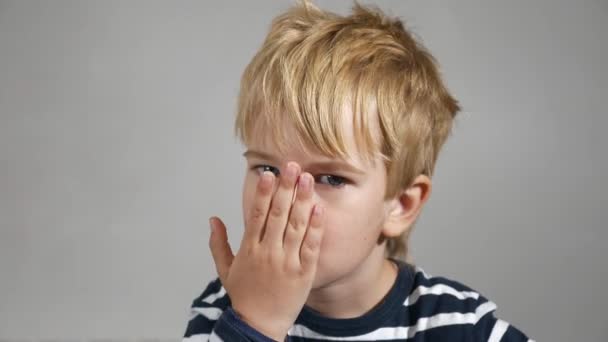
(353,199)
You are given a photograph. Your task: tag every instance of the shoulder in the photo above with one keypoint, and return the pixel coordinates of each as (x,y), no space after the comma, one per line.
(207,308)
(441,294)
(213,296)
(454,308)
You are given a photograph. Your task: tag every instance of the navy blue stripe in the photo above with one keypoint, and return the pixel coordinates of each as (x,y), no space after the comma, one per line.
(420,279)
(221,303)
(199,325)
(231,328)
(513,335)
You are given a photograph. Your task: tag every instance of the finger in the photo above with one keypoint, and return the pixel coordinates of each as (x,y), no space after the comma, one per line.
(298,218)
(280,206)
(220,249)
(311,246)
(256,221)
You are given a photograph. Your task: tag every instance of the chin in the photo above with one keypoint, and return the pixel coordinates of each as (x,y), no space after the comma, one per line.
(320,281)
(326,276)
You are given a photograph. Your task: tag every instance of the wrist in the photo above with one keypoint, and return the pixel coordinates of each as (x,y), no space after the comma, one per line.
(262,326)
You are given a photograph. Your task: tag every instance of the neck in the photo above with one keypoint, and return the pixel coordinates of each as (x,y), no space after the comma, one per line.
(357,292)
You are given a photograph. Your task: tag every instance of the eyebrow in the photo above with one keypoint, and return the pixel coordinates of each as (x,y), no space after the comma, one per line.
(331,164)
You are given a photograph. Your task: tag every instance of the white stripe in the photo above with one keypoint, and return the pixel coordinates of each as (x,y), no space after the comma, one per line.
(438,289)
(212,297)
(500,328)
(390,333)
(211,313)
(426,275)
(197,338)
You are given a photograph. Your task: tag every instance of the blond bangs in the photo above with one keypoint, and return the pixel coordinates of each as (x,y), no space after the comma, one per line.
(305,76)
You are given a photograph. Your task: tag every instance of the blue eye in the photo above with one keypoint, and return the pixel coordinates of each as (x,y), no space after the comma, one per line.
(335,181)
(331,180)
(262,168)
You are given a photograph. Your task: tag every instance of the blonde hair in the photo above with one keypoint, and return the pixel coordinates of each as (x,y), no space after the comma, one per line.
(313,62)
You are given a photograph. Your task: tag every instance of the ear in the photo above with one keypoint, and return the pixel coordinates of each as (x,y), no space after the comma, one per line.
(404,208)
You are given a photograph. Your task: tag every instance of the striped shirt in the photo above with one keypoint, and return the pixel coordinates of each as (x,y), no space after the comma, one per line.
(417,308)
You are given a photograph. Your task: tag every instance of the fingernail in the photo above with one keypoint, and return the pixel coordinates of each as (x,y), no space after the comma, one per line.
(304,182)
(291,170)
(317,211)
(211,226)
(266,178)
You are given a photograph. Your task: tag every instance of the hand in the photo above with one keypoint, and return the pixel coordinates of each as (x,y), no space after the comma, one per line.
(271,276)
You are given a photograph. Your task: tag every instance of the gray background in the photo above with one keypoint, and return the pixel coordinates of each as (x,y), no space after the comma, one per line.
(116,146)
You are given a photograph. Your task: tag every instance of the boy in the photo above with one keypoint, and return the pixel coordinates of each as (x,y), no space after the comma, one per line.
(343,119)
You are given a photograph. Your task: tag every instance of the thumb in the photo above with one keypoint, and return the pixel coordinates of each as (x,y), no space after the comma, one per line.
(220,249)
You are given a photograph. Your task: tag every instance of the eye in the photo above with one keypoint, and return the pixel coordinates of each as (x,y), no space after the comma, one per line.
(261,168)
(334,181)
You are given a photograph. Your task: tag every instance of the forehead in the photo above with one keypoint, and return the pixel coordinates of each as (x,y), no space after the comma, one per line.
(290,145)
(293,146)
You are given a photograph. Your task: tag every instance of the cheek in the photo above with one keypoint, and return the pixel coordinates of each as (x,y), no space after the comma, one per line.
(352,227)
(349,238)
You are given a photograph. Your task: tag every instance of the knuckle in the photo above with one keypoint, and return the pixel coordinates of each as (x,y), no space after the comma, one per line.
(311,244)
(274,257)
(292,267)
(298,222)
(276,210)
(306,255)
(258,213)
(289,229)
(249,250)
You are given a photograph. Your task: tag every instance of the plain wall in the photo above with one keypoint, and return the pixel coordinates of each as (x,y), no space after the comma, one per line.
(116,146)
